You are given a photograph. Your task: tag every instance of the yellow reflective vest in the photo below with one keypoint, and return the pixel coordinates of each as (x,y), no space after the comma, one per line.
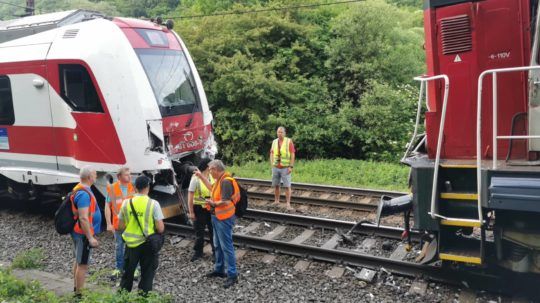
(202,192)
(281,155)
(144,210)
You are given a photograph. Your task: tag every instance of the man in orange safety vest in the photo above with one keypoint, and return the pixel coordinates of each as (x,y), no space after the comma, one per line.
(116,194)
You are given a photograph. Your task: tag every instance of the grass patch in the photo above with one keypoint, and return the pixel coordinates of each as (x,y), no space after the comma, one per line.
(29,259)
(339,172)
(14,290)
(100,277)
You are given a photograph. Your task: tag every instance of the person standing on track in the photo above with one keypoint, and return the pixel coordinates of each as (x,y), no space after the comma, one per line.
(84,206)
(139,218)
(198,213)
(116,194)
(282,156)
(225,193)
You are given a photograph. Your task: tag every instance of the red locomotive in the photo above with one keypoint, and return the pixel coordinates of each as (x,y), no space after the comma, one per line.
(475,178)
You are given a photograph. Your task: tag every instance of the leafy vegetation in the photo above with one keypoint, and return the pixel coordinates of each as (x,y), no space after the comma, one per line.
(338,77)
(341,172)
(14,290)
(28,259)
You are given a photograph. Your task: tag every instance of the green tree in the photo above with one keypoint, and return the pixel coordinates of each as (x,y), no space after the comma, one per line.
(49,6)
(373,41)
(388,115)
(259,70)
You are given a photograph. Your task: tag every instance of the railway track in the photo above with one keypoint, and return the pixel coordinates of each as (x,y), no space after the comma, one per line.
(330,224)
(319,195)
(331,251)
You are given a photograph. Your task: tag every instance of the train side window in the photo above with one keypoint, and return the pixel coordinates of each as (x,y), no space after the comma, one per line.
(78,90)
(7,115)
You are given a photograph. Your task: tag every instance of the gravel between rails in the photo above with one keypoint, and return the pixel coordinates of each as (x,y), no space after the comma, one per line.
(185,281)
(311,210)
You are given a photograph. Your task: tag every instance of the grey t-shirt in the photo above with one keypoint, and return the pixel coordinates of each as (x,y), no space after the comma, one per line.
(158,214)
(227,190)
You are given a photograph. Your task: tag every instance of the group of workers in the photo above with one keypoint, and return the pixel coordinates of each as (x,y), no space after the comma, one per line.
(132,216)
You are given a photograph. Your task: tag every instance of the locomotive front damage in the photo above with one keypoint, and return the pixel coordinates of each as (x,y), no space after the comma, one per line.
(184,133)
(182,150)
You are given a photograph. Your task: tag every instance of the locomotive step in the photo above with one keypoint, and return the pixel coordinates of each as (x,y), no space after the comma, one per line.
(459,196)
(461,255)
(461,222)
(449,165)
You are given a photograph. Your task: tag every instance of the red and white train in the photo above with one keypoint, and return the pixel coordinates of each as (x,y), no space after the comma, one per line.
(77,89)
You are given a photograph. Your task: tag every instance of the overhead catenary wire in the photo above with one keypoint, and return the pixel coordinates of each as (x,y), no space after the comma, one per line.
(263,10)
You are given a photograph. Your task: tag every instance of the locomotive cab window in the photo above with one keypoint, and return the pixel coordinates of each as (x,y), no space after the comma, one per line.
(78,90)
(7,115)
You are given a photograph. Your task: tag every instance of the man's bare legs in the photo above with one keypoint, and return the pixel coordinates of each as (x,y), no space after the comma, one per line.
(288,193)
(276,194)
(79,275)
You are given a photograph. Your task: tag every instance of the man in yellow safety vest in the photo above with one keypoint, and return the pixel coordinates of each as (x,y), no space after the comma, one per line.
(282,156)
(139,218)
(198,213)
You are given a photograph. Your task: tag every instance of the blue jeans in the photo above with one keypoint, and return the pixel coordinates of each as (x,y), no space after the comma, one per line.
(223,244)
(119,249)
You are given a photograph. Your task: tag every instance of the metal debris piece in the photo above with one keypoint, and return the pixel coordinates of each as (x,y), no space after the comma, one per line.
(418,288)
(174,240)
(366,275)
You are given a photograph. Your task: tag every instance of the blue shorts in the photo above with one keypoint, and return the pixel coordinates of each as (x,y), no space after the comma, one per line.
(280,175)
(81,248)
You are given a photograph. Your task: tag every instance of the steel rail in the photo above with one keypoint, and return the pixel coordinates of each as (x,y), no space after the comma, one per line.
(445,275)
(316,222)
(327,188)
(319,202)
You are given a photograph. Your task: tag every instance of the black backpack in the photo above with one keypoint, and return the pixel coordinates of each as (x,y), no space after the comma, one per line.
(64,218)
(242,204)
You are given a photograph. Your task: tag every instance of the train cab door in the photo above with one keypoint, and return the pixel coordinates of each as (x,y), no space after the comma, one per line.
(26,134)
(83,128)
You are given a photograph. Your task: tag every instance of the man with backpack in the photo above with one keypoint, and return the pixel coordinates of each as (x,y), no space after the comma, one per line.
(141,220)
(225,194)
(88,223)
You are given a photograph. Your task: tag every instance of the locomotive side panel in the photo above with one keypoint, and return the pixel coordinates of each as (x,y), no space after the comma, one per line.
(464,40)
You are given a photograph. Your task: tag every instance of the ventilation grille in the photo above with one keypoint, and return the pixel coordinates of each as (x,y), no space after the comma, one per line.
(70,33)
(456,34)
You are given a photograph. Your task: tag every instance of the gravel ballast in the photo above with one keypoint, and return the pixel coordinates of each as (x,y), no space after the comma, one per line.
(185,281)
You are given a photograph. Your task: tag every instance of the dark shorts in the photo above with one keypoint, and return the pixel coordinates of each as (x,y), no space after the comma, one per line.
(81,249)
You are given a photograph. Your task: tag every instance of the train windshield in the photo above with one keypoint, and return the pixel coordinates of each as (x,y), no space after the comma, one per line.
(171,79)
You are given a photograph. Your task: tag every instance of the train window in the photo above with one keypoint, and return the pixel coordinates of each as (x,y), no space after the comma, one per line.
(171,79)
(78,90)
(7,115)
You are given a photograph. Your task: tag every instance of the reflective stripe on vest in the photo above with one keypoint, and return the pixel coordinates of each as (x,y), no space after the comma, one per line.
(281,154)
(225,210)
(133,235)
(202,192)
(116,197)
(91,210)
